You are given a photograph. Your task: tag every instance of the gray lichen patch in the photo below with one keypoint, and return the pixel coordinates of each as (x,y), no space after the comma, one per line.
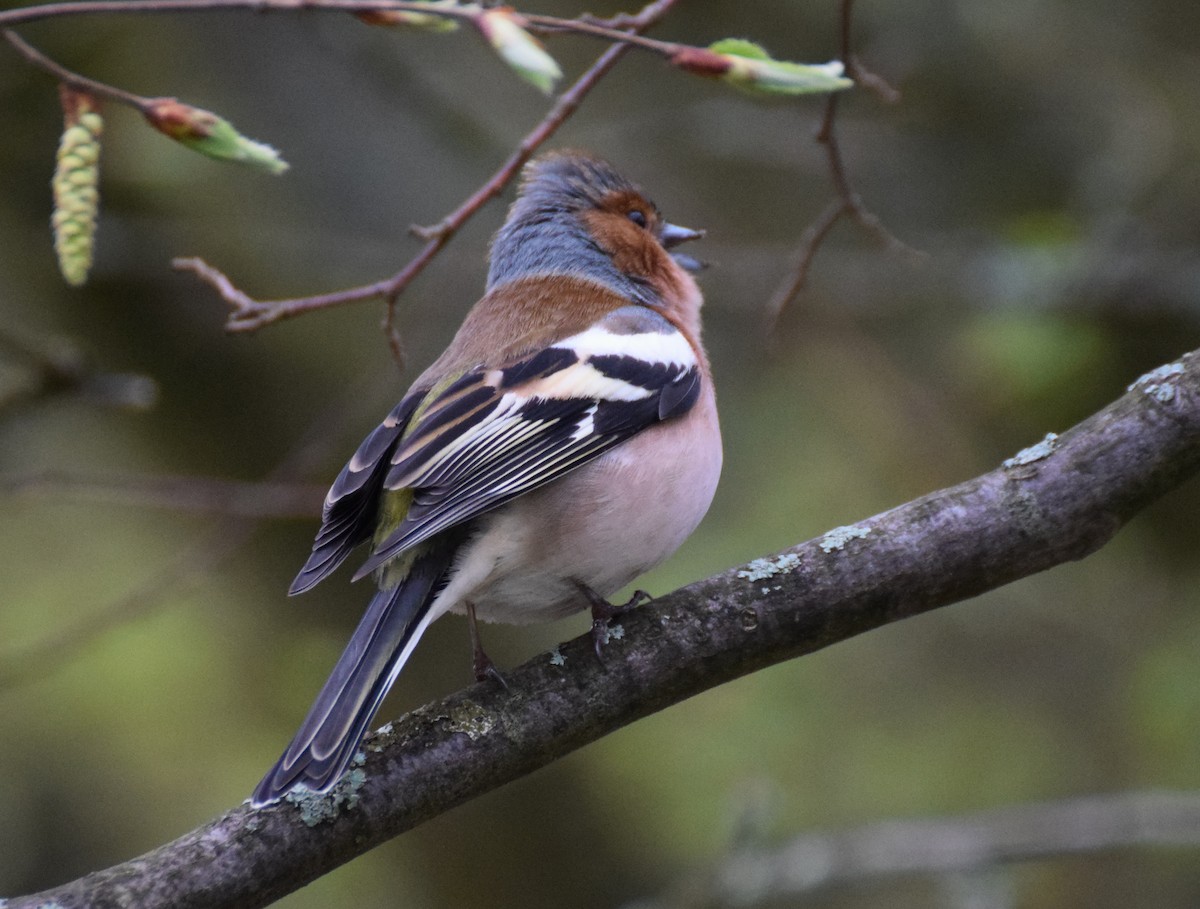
(761,569)
(840,536)
(319,807)
(1159,382)
(471,720)
(1038,452)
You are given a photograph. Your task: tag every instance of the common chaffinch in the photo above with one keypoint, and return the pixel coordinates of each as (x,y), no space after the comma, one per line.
(563,444)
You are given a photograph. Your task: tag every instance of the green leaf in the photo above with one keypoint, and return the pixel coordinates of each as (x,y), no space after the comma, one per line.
(211,135)
(740,47)
(751,68)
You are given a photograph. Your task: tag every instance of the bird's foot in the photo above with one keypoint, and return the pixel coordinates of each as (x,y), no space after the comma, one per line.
(481,663)
(604,612)
(485,669)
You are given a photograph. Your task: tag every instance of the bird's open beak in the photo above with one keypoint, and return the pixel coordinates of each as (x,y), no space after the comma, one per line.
(672,235)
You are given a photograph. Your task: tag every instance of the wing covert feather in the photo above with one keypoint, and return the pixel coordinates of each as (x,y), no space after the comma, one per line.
(543,416)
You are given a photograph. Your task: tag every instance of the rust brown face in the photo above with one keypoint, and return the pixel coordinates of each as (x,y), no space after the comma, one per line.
(629,228)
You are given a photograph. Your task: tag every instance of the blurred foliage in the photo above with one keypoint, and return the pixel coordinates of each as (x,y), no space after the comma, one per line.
(1047,157)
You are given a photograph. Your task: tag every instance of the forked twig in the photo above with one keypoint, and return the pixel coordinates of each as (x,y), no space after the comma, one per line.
(848,202)
(249,314)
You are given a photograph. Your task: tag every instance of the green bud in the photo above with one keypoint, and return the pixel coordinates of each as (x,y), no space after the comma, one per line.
(205,132)
(751,68)
(519,49)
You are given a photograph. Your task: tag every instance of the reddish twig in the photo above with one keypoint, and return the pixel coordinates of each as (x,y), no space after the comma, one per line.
(622,29)
(13,17)
(250,314)
(814,235)
(74,80)
(594,28)
(848,203)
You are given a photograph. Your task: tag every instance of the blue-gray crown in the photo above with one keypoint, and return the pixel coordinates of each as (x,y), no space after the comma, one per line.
(543,233)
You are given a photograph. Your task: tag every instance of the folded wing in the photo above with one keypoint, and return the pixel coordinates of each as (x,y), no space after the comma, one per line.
(498,433)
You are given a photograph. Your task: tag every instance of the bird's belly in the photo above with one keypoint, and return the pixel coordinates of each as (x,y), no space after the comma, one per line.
(602,525)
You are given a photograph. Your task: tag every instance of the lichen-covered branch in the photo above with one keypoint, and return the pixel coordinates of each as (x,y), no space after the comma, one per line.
(1056,501)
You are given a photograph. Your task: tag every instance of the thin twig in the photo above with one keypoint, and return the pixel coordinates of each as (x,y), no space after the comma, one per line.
(595,29)
(249,314)
(13,17)
(622,30)
(812,237)
(73,79)
(848,203)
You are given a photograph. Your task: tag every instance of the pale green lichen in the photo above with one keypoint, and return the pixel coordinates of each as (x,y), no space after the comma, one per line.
(761,569)
(556,658)
(1160,383)
(379,741)
(1041,450)
(840,536)
(616,632)
(471,720)
(1157,376)
(319,807)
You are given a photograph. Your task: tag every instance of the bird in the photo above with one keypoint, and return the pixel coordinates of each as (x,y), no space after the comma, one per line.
(565,443)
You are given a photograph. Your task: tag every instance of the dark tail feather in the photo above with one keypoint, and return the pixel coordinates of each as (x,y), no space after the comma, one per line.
(337,721)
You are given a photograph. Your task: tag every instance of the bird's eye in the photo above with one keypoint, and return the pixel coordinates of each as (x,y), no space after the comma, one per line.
(637,216)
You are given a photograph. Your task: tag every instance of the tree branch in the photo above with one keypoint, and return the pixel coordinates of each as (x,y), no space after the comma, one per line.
(967,843)
(1053,502)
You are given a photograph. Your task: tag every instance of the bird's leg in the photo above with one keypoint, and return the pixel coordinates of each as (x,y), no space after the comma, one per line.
(482,663)
(604,612)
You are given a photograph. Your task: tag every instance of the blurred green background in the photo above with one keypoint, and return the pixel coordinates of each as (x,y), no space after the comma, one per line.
(1044,155)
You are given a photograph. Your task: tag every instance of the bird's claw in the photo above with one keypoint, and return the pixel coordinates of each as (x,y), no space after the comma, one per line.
(485,669)
(604,612)
(481,663)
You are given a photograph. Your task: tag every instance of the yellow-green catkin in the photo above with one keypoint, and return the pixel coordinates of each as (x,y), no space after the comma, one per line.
(76,192)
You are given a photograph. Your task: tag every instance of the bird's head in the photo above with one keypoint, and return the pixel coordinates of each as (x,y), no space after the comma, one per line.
(576,215)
